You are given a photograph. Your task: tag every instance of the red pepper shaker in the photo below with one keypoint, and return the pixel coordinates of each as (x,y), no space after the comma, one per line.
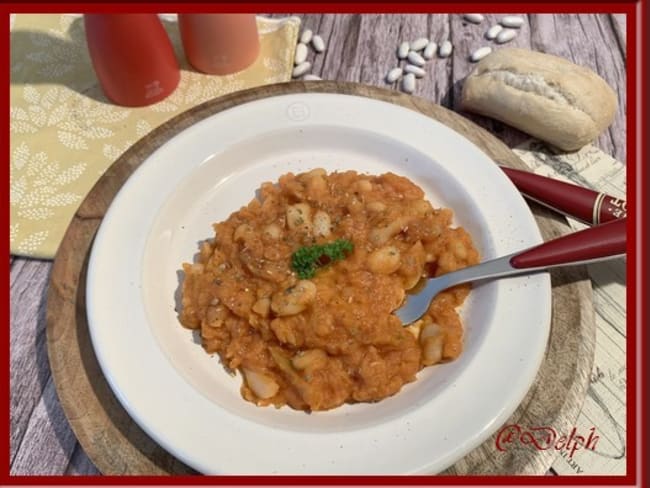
(219,44)
(133,57)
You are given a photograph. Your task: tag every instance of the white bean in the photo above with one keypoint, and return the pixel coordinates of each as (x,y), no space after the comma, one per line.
(416,70)
(513,21)
(311,78)
(403,50)
(506,35)
(385,260)
(393,75)
(493,31)
(419,44)
(318,44)
(430,50)
(306,36)
(301,69)
(322,224)
(480,53)
(474,18)
(301,54)
(445,49)
(263,386)
(408,83)
(416,59)
(299,217)
(295,299)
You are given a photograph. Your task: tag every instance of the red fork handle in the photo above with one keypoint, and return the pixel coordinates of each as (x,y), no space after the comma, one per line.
(587,205)
(597,242)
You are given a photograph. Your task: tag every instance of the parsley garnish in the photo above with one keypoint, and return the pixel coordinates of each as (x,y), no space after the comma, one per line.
(307,259)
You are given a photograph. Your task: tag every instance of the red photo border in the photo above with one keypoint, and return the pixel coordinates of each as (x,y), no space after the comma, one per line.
(637,78)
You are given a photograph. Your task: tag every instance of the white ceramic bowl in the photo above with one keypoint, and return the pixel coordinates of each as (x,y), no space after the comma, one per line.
(184,399)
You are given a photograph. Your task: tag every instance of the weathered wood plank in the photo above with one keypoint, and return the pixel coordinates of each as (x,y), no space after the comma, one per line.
(619,26)
(29,370)
(48,440)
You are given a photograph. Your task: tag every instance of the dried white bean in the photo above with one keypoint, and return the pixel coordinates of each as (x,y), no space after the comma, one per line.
(506,35)
(445,49)
(306,36)
(408,83)
(393,75)
(318,44)
(493,31)
(301,69)
(419,44)
(480,53)
(512,21)
(430,50)
(416,59)
(416,70)
(403,50)
(301,54)
(474,18)
(312,78)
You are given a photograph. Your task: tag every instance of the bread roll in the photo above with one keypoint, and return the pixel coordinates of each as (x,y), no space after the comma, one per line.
(546,96)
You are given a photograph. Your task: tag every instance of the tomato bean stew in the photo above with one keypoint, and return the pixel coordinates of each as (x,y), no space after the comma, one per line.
(297,289)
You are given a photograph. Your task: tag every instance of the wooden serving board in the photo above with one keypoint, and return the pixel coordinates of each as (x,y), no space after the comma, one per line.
(117,445)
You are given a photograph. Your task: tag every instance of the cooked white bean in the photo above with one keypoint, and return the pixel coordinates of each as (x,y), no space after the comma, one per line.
(299,217)
(393,75)
(416,70)
(480,53)
(419,44)
(294,299)
(430,50)
(415,58)
(306,36)
(262,385)
(408,83)
(432,340)
(513,21)
(403,50)
(474,18)
(262,307)
(301,69)
(493,31)
(301,54)
(273,231)
(318,44)
(312,78)
(506,35)
(445,49)
(243,232)
(381,235)
(322,224)
(376,207)
(385,260)
(309,359)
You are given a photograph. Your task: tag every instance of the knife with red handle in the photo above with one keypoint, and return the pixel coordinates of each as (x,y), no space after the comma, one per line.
(582,203)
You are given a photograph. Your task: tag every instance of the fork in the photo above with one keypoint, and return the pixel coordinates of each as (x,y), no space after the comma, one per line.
(597,243)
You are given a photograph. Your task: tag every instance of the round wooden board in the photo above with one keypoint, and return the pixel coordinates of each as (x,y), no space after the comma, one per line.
(117,445)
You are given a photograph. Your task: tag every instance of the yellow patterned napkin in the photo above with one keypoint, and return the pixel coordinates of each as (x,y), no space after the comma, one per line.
(65,133)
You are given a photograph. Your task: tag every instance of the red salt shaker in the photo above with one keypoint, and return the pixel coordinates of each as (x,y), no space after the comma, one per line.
(132,56)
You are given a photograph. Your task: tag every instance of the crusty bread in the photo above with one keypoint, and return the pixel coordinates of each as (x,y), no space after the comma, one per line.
(546,96)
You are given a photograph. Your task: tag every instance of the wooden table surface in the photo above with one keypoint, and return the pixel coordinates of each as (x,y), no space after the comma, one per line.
(360,48)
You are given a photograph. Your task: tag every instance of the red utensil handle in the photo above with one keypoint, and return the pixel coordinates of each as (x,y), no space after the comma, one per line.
(587,205)
(596,242)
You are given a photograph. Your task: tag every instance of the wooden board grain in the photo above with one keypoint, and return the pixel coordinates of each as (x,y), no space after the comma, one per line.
(116,445)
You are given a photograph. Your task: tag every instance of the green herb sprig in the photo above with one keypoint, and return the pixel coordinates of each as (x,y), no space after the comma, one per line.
(306,260)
